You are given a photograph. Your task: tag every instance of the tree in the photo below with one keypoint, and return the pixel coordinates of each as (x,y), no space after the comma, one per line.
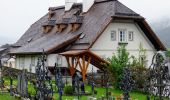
(118,62)
(142,55)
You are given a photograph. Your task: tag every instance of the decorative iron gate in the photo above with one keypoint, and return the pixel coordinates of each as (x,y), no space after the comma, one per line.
(159,77)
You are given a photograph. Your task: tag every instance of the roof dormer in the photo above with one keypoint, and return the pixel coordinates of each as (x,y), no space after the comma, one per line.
(48,26)
(62,24)
(50,14)
(76,23)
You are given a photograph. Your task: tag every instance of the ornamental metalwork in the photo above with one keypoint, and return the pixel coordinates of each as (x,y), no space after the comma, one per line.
(126,83)
(76,85)
(22,86)
(92,82)
(59,81)
(159,76)
(43,85)
(106,81)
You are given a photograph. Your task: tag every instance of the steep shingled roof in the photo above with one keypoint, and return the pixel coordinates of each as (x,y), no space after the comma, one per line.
(93,24)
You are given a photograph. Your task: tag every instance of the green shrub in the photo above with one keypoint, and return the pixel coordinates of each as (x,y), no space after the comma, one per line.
(68,90)
(139,76)
(168,52)
(118,62)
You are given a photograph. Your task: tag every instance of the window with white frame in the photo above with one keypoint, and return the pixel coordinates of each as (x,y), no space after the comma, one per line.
(130,36)
(113,35)
(32,61)
(122,35)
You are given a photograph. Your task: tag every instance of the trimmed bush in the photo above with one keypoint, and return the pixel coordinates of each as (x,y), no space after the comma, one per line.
(68,90)
(139,75)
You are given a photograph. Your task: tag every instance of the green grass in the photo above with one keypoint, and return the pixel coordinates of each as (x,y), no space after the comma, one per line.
(100,93)
(6,97)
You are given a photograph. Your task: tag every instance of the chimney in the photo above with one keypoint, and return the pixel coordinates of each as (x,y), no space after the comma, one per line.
(87,5)
(69,4)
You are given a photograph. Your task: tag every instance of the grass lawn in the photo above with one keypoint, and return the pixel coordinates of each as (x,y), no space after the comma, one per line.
(6,96)
(100,93)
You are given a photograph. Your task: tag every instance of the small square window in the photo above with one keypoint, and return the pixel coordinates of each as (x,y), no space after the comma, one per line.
(113,35)
(130,36)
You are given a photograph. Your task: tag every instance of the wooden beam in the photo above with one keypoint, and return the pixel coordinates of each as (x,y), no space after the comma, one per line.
(89,60)
(83,66)
(71,65)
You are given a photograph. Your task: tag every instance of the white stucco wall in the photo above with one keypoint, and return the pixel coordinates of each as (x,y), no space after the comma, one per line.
(105,47)
(29,63)
(54,58)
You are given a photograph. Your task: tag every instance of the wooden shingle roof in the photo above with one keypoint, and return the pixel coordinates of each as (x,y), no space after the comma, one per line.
(93,23)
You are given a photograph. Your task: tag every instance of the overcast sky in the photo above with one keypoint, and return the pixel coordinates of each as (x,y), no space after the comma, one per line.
(17,15)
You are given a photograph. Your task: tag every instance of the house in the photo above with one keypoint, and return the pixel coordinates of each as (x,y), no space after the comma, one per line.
(5,58)
(80,35)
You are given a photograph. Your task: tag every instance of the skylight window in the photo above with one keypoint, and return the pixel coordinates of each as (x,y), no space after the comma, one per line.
(82,36)
(29,40)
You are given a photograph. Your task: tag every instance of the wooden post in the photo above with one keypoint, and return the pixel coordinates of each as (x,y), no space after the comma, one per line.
(83,66)
(71,64)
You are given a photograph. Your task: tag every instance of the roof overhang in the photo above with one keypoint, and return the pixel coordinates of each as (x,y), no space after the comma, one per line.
(48,50)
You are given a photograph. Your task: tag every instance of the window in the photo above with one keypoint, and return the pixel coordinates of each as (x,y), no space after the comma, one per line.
(59,60)
(122,35)
(32,61)
(130,36)
(21,62)
(29,40)
(113,35)
(82,36)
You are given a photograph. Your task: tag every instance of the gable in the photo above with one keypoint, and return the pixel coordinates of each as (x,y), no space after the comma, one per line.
(104,42)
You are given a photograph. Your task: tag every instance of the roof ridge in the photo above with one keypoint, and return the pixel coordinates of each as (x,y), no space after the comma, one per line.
(101,1)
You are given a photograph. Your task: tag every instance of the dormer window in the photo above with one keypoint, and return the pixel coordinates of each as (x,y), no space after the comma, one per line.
(76,23)
(62,24)
(60,27)
(75,26)
(47,28)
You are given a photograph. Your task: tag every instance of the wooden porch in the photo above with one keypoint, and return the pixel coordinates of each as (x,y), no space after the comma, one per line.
(82,59)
